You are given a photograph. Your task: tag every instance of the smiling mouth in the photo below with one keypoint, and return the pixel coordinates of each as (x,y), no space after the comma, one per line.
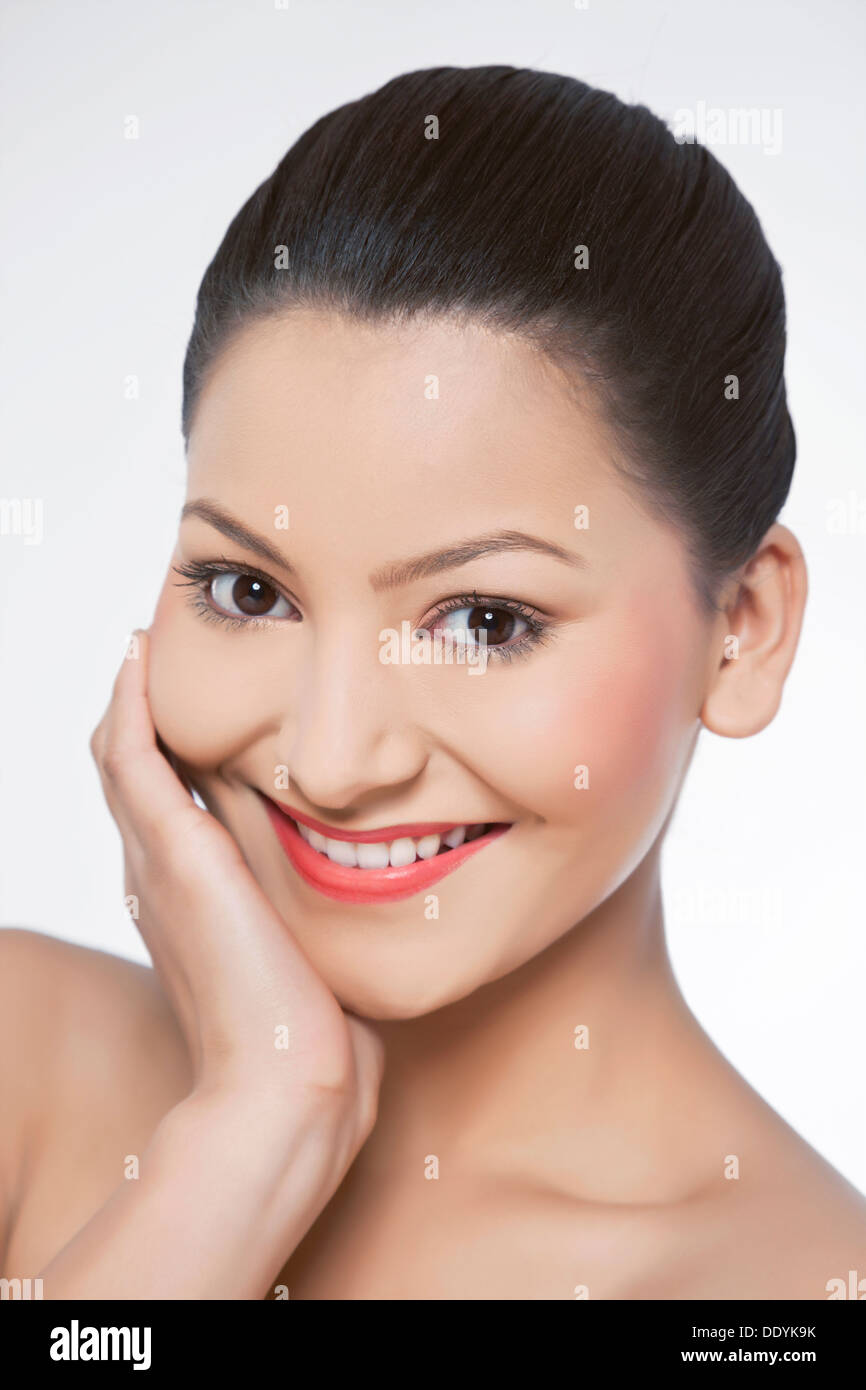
(367,869)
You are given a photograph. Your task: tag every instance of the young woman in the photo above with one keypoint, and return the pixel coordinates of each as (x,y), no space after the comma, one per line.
(489,359)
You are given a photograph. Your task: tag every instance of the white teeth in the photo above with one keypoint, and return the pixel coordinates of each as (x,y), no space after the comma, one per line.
(397,853)
(313,838)
(402,852)
(372,856)
(342,852)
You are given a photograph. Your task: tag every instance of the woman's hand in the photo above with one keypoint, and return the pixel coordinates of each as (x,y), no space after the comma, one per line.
(285,1083)
(240,985)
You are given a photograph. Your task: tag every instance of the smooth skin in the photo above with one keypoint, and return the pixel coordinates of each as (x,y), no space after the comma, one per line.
(430,1130)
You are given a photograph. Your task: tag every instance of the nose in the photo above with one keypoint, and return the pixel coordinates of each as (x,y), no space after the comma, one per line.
(350,728)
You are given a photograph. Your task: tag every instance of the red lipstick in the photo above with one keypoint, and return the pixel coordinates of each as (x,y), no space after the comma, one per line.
(356,885)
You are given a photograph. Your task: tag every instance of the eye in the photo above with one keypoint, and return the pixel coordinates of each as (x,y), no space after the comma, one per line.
(246,595)
(501,625)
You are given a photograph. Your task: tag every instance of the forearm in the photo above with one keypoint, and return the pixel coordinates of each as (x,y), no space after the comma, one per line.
(224,1195)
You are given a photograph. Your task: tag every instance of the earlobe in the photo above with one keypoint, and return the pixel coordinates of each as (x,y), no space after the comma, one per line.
(756,638)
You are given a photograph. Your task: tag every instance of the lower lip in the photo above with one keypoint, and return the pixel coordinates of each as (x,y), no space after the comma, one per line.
(348,885)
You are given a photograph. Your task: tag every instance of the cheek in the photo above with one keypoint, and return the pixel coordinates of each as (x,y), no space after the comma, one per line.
(611,711)
(203,705)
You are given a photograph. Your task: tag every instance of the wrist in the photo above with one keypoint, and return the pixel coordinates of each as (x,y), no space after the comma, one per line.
(277,1158)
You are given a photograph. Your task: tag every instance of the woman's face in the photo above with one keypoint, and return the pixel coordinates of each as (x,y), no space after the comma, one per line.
(350,450)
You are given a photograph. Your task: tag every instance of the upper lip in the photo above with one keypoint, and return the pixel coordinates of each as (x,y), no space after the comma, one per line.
(414,830)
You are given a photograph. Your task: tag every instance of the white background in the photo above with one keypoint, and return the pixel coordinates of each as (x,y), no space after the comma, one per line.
(104,241)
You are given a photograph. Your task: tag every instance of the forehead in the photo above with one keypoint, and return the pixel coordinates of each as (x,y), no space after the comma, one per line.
(402,435)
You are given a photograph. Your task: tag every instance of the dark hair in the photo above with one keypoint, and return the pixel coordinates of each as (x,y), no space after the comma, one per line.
(681,291)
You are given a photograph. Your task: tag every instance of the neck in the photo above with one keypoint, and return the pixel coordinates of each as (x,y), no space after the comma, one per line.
(496,1080)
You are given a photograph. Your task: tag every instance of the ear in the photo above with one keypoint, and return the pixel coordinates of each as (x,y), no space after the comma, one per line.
(757,636)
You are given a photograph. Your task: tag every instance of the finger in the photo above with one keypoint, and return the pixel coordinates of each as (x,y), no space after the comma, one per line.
(206,916)
(144,793)
(187,847)
(174,762)
(369,1052)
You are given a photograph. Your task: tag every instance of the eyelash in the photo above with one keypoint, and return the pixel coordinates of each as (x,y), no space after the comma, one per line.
(196,576)
(538,629)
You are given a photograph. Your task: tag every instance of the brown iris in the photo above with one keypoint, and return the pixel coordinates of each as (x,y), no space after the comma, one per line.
(252,596)
(498,623)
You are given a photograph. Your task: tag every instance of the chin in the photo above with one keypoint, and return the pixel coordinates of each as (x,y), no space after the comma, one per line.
(392,993)
(381,1007)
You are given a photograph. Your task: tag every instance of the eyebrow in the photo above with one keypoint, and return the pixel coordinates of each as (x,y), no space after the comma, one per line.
(236,531)
(399,572)
(420,566)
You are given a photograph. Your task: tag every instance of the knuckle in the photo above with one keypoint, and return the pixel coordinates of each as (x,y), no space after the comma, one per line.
(331,1091)
(112,763)
(329,1106)
(333,1085)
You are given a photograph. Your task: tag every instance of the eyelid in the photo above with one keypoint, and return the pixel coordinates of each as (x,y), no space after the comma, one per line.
(476,600)
(198,576)
(221,564)
(540,626)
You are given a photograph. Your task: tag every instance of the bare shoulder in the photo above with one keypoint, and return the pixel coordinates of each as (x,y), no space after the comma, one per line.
(794,1228)
(774,1221)
(91,1058)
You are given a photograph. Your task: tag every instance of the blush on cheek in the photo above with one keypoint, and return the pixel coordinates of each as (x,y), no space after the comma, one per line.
(632,736)
(615,721)
(637,731)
